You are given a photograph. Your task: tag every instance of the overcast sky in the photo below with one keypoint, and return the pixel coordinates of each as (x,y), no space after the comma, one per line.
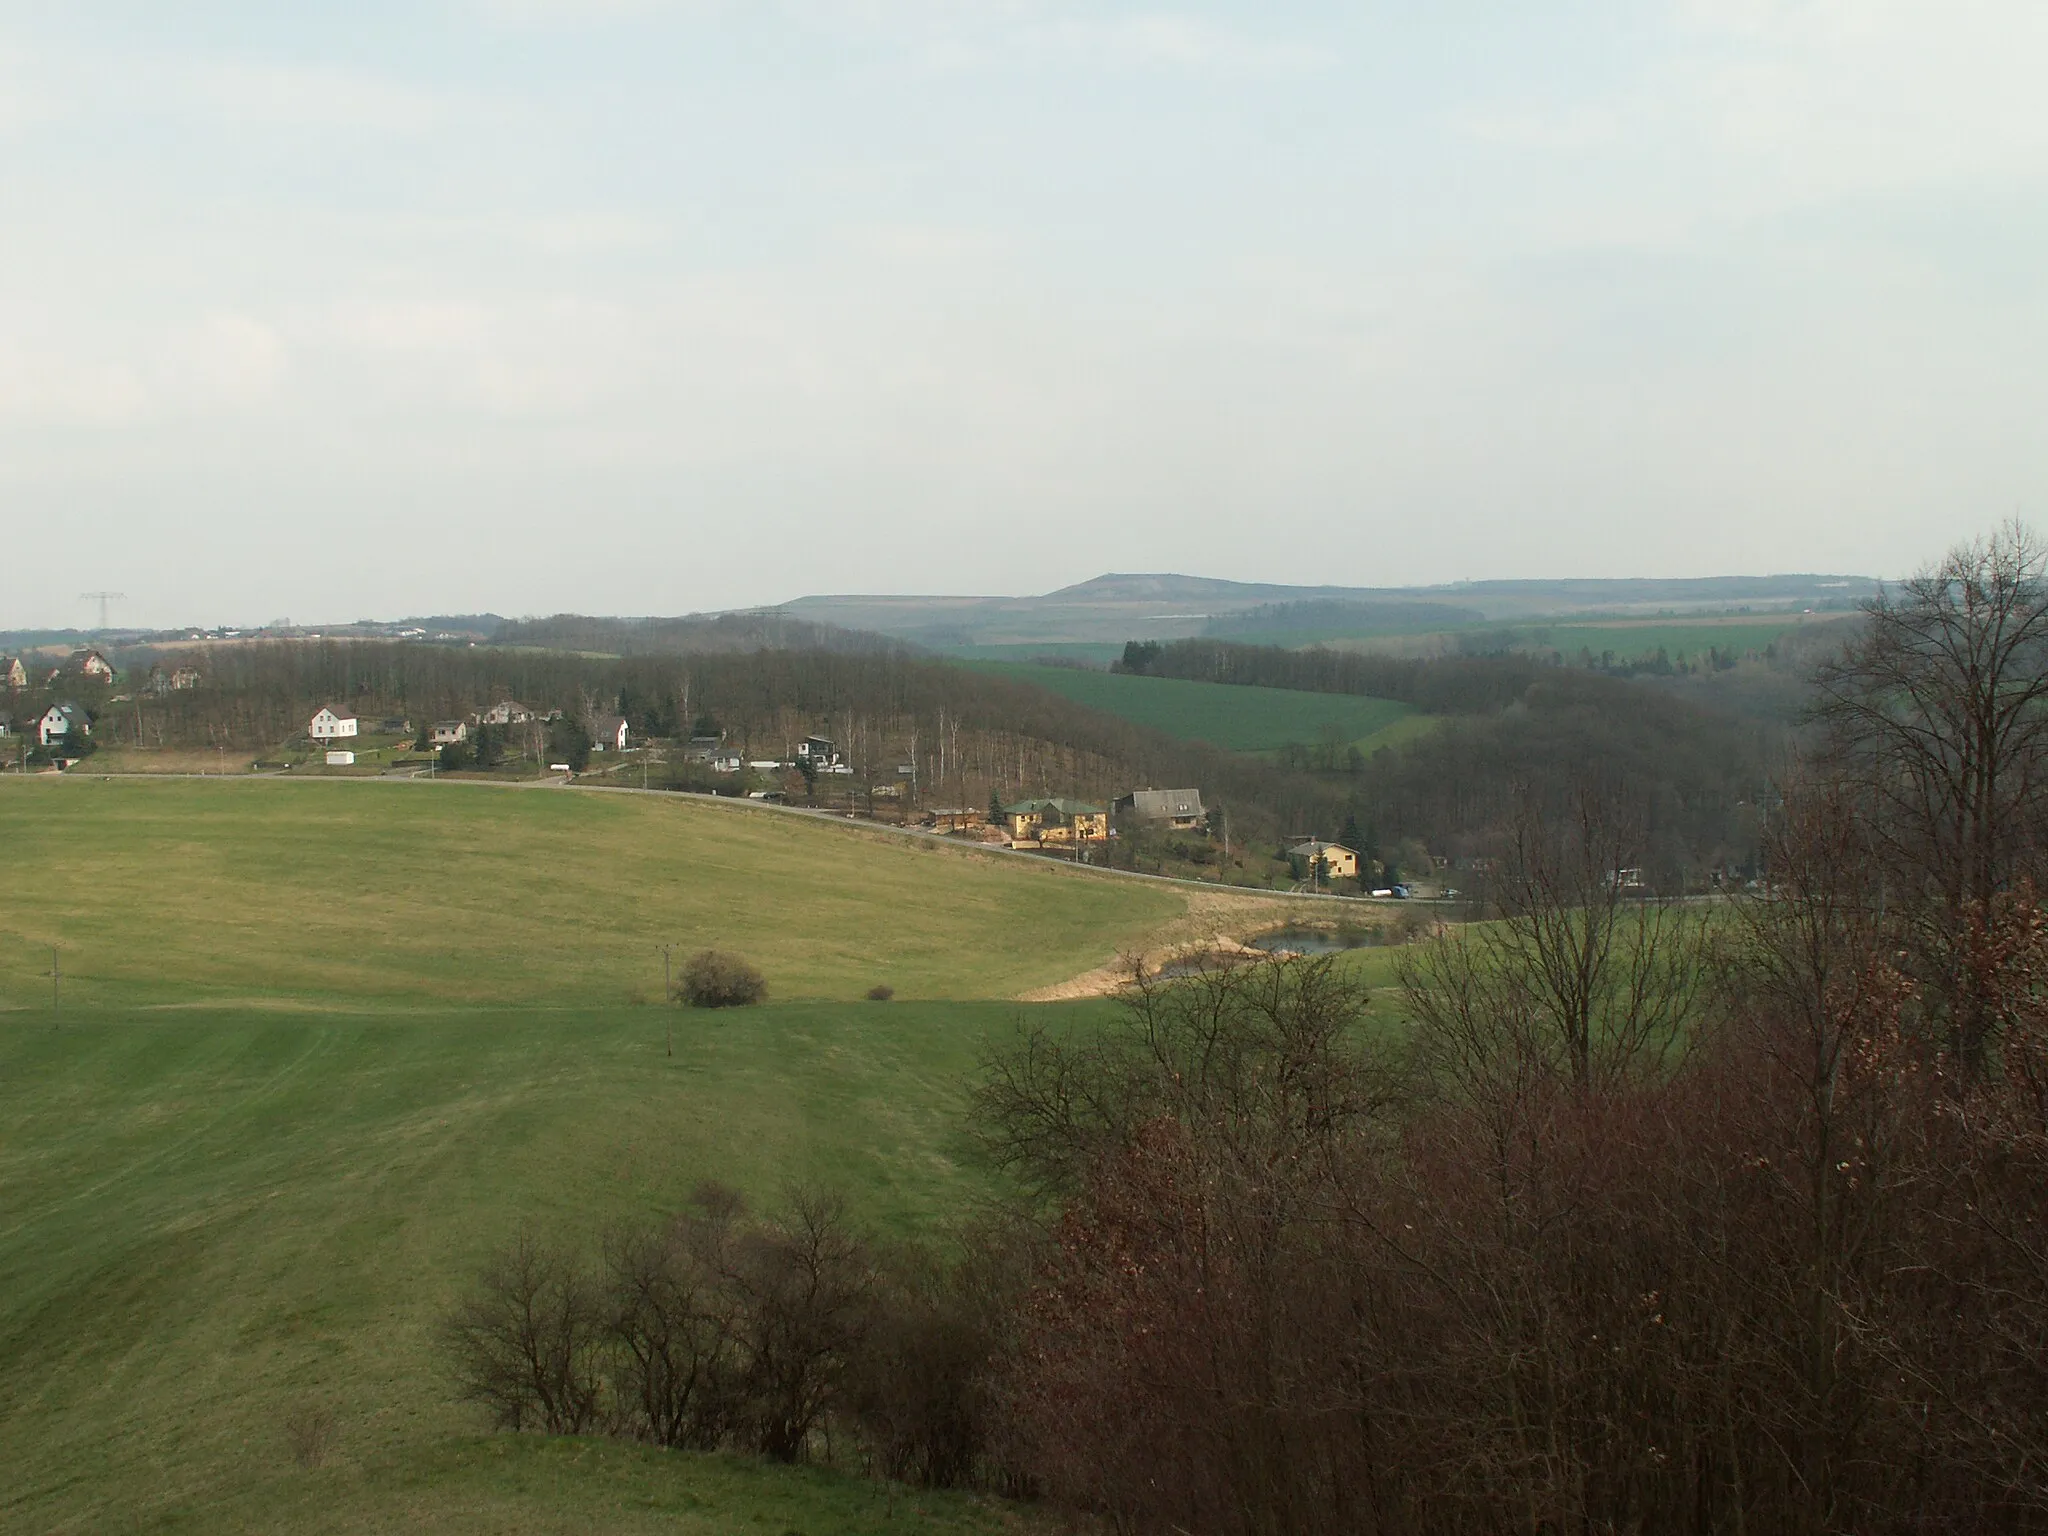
(643,307)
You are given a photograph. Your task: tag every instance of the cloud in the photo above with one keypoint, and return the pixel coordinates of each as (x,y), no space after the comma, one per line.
(1165,40)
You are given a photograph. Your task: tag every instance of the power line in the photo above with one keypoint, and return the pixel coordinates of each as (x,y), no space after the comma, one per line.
(102,598)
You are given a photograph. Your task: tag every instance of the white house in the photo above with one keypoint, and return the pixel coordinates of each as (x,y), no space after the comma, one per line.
(12,673)
(332,724)
(608,733)
(448,732)
(59,721)
(505,712)
(728,762)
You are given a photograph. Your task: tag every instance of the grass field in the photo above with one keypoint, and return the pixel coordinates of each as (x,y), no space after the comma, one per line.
(213,1219)
(324,1045)
(403,894)
(1225,715)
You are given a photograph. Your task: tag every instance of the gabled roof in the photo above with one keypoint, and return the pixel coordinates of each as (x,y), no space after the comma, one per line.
(607,725)
(1064,807)
(1167,802)
(335,710)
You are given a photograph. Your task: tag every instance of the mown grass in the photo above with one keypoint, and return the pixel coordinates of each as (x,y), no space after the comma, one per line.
(411,893)
(1242,719)
(214,1220)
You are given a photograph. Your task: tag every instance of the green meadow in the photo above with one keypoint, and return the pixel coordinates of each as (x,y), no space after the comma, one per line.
(407,893)
(214,1220)
(322,1046)
(1242,719)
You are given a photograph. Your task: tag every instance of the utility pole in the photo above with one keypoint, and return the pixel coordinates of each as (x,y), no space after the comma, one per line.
(668,997)
(102,598)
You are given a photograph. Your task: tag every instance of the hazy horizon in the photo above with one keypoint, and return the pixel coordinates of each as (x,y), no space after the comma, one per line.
(668,306)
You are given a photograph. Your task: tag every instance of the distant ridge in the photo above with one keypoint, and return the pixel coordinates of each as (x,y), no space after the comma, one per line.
(1107,610)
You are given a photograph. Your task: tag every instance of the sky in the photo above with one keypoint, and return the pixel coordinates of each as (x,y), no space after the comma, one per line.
(660,306)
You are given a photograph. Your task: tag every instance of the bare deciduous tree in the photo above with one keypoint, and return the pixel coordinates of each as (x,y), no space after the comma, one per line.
(1938,716)
(1579,974)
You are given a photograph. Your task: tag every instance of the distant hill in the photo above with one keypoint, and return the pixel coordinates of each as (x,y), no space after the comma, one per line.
(694,635)
(1112,608)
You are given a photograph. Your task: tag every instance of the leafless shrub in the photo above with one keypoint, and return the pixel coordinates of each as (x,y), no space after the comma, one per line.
(310,1431)
(881,992)
(525,1342)
(713,978)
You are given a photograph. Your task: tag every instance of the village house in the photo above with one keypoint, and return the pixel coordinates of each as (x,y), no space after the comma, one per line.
(507,712)
(819,752)
(1335,861)
(1180,809)
(185,677)
(60,722)
(12,673)
(608,734)
(90,665)
(955,818)
(728,762)
(332,724)
(446,733)
(1056,821)
(6,723)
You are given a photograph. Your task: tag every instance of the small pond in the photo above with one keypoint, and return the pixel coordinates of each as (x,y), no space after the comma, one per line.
(1289,941)
(1315,941)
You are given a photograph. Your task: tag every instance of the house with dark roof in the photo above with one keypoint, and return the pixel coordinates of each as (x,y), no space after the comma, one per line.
(62,724)
(1052,820)
(608,734)
(12,673)
(1180,809)
(85,667)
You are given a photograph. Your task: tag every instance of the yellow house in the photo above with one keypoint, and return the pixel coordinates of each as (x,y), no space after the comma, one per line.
(1338,862)
(1056,821)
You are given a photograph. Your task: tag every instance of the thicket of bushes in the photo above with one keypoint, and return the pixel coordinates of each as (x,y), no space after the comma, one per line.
(721,1330)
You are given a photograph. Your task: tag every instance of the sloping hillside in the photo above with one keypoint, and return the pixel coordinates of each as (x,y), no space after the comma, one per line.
(401,893)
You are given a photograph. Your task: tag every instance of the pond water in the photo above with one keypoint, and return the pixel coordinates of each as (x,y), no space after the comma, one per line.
(1315,941)
(1292,941)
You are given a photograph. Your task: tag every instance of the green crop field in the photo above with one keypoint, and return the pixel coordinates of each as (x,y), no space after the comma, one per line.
(324,1045)
(1223,714)
(404,893)
(1635,641)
